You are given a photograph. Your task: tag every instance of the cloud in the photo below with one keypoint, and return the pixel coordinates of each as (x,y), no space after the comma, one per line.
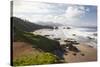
(37,7)
(73,12)
(30,7)
(49,12)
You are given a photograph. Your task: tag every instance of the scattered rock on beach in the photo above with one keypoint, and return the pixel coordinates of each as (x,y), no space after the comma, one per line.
(83,54)
(73,48)
(89,37)
(74,54)
(68,28)
(74,34)
(95,34)
(66,53)
(90,46)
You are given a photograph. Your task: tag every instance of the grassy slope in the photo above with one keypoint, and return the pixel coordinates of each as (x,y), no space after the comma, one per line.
(25,25)
(37,41)
(21,34)
(35,59)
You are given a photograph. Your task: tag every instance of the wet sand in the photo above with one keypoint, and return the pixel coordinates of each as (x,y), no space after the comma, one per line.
(86,53)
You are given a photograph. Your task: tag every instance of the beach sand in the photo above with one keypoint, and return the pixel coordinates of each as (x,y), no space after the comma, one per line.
(23,48)
(86,53)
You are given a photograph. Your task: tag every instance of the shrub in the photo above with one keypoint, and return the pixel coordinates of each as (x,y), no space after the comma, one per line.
(41,58)
(36,40)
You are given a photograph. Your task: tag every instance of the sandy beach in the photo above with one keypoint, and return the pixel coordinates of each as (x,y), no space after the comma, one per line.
(22,48)
(86,53)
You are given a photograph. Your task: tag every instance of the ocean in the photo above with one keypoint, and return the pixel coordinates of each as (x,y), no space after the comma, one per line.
(86,35)
(89,35)
(87,29)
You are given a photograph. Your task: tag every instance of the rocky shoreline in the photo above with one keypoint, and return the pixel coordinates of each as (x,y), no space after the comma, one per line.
(72,50)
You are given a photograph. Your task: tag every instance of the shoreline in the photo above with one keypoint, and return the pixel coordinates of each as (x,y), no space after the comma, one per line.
(86,54)
(64,34)
(87,47)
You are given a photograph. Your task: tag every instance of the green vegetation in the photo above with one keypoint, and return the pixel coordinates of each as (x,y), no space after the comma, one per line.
(37,41)
(21,33)
(41,58)
(26,25)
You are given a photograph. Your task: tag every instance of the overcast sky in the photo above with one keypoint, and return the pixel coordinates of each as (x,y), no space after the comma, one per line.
(77,15)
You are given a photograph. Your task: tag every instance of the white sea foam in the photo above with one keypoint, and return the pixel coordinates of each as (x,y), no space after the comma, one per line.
(73,33)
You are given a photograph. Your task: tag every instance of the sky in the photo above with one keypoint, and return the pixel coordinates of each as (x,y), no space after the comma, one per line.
(66,14)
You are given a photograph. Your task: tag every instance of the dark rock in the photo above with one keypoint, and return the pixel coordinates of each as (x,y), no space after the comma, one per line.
(46,35)
(74,34)
(66,53)
(89,37)
(83,54)
(90,46)
(56,38)
(73,48)
(74,54)
(56,27)
(95,34)
(68,28)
